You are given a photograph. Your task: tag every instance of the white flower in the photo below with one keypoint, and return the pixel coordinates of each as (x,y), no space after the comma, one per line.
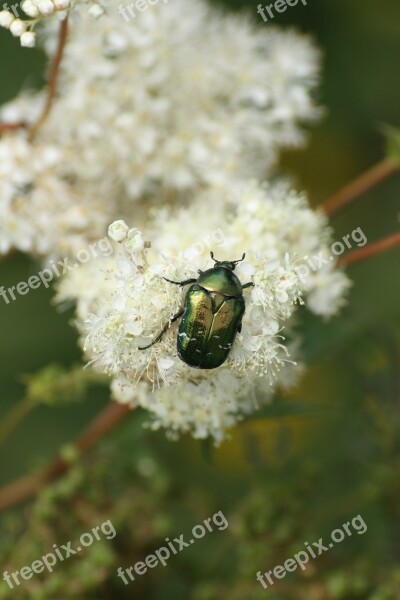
(28,39)
(327,289)
(29,180)
(128,303)
(135,242)
(165,105)
(6,19)
(46,7)
(62,4)
(18,27)
(30,8)
(158,127)
(118,231)
(96,10)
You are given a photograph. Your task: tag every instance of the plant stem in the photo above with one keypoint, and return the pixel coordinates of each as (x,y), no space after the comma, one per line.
(4,127)
(26,487)
(379,247)
(359,186)
(14,417)
(53,78)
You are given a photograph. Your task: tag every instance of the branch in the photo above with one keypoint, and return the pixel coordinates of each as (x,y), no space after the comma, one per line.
(26,487)
(14,417)
(51,90)
(53,78)
(379,247)
(5,127)
(359,186)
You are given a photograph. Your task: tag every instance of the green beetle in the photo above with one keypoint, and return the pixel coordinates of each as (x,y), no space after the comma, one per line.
(211,316)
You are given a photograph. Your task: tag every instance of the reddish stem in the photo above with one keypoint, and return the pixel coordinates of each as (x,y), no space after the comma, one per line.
(379,247)
(51,89)
(53,78)
(5,127)
(26,487)
(359,186)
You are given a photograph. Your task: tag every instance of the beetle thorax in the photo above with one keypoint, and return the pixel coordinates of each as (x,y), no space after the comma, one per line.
(221,279)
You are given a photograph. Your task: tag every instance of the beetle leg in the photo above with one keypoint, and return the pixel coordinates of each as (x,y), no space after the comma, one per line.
(164,329)
(239,329)
(181,283)
(247,285)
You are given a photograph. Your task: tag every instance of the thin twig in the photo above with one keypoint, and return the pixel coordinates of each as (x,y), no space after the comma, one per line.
(359,186)
(5,127)
(26,487)
(51,89)
(14,417)
(53,78)
(384,245)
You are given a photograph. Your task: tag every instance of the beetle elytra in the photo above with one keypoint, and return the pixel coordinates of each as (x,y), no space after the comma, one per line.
(211,316)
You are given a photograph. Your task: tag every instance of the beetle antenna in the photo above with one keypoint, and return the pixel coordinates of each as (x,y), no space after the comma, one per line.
(243,257)
(212,256)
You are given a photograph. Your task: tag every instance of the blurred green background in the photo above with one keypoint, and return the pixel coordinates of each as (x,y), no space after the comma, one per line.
(284,479)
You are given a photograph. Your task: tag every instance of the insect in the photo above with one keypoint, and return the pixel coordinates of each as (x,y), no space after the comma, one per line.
(211,316)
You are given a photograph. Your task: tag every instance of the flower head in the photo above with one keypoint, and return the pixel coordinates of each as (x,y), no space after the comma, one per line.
(162,107)
(132,303)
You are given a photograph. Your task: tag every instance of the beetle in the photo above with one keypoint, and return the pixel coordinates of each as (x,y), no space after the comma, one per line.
(211,316)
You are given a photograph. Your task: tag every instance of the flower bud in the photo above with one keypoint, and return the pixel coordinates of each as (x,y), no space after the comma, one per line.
(6,18)
(30,8)
(46,7)
(96,11)
(28,39)
(135,241)
(62,4)
(118,231)
(18,27)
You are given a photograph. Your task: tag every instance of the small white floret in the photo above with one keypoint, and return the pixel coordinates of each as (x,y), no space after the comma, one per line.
(18,27)
(28,39)
(62,4)
(118,231)
(135,241)
(96,11)
(46,7)
(6,18)
(30,8)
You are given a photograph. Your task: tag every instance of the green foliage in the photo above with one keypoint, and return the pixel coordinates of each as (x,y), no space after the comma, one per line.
(55,385)
(350,469)
(127,482)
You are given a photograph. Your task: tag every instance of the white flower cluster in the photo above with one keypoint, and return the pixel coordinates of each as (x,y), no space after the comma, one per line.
(158,123)
(37,201)
(37,10)
(160,108)
(128,303)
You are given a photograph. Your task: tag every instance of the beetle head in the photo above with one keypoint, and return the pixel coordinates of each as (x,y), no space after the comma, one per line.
(227,264)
